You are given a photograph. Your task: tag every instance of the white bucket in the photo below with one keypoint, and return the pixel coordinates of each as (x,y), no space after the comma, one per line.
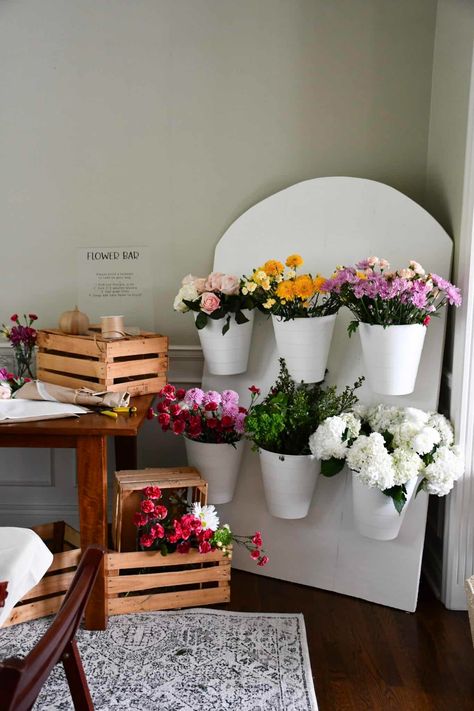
(288,483)
(304,344)
(218,464)
(392,356)
(228,354)
(375,515)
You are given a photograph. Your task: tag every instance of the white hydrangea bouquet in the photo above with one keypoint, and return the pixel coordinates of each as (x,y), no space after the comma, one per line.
(386,447)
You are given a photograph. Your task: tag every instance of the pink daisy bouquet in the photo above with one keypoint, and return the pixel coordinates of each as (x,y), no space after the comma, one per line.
(377,295)
(170,525)
(205,416)
(217,296)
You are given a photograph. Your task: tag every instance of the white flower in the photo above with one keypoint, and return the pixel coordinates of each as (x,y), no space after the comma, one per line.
(207,515)
(444,428)
(404,434)
(327,441)
(352,424)
(424,441)
(406,463)
(446,468)
(290,274)
(383,418)
(5,390)
(415,416)
(189,292)
(370,462)
(417,268)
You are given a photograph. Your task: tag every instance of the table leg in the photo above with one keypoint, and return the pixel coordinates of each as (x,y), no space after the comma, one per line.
(92,494)
(126,453)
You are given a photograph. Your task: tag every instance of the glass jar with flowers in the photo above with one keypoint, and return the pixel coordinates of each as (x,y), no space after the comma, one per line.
(392,310)
(22,337)
(393,453)
(279,428)
(303,314)
(212,425)
(224,318)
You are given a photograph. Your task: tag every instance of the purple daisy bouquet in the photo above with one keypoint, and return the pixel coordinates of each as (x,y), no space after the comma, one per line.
(377,295)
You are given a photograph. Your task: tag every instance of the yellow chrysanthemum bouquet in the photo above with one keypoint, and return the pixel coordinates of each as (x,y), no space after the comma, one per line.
(280,290)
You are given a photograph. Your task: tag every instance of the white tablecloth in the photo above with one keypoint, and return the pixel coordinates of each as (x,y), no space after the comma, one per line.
(24,559)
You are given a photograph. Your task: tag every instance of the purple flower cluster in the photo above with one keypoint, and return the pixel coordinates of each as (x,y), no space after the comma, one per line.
(378,296)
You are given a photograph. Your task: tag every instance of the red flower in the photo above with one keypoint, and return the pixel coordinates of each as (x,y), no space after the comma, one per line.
(205,547)
(255,554)
(164,420)
(14,317)
(150,413)
(180,393)
(212,423)
(147,506)
(146,540)
(33,317)
(211,406)
(140,519)
(175,409)
(205,534)
(257,539)
(161,407)
(227,421)
(157,531)
(152,492)
(243,410)
(178,427)
(161,512)
(27,380)
(183,547)
(263,561)
(254,390)
(426,320)
(169,391)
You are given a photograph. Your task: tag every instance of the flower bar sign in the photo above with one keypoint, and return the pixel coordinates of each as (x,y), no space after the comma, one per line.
(116,280)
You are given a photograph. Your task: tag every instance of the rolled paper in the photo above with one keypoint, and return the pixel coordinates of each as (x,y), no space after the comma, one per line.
(112,327)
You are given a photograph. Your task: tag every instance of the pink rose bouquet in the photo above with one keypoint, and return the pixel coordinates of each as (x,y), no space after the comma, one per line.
(205,416)
(377,295)
(169,524)
(217,296)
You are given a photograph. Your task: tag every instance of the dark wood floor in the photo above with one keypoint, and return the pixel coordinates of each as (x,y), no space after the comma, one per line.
(367,656)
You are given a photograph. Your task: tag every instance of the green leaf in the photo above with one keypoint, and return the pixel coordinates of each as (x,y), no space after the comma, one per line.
(352,327)
(241,318)
(193,305)
(226,326)
(331,467)
(217,314)
(398,494)
(201,320)
(419,487)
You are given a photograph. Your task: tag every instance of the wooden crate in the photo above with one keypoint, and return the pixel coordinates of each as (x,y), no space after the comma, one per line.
(146,580)
(137,364)
(47,596)
(127,497)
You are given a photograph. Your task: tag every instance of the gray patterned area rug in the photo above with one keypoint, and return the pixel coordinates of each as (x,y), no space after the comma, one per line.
(184,661)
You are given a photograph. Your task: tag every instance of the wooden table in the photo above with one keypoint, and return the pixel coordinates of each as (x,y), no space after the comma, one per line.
(88,436)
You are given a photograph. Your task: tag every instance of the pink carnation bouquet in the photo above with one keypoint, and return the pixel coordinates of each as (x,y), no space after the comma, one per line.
(22,337)
(217,296)
(376,294)
(169,525)
(205,416)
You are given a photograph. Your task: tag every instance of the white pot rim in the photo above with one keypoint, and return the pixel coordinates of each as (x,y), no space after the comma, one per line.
(196,441)
(289,456)
(303,318)
(395,325)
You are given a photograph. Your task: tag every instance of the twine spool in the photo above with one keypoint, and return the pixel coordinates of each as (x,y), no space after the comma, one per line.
(112,327)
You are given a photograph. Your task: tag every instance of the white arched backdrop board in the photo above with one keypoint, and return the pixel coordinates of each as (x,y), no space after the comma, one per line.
(331,221)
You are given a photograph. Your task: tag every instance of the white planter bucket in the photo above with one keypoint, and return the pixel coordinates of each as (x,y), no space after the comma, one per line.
(288,484)
(375,515)
(304,344)
(218,464)
(392,356)
(228,354)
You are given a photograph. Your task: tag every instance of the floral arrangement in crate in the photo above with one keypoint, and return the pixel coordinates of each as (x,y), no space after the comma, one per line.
(217,296)
(286,417)
(205,416)
(280,290)
(174,527)
(386,447)
(378,295)
(22,337)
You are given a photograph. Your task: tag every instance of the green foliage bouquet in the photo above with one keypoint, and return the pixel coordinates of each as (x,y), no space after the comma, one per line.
(288,415)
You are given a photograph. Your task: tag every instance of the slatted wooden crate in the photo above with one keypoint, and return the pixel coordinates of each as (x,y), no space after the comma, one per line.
(138,364)
(140,581)
(47,596)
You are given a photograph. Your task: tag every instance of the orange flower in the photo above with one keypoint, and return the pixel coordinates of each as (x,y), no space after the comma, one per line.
(361,275)
(318,282)
(303,287)
(294,261)
(285,290)
(273,267)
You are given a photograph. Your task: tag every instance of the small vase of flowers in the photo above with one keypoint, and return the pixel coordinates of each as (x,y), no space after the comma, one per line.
(22,337)
(392,310)
(303,314)
(224,319)
(212,425)
(393,454)
(279,428)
